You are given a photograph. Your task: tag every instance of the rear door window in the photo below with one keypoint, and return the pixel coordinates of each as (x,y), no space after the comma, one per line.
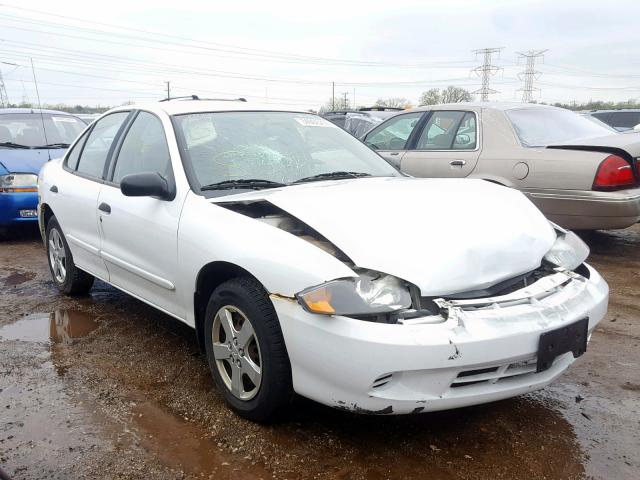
(393,134)
(448,130)
(96,149)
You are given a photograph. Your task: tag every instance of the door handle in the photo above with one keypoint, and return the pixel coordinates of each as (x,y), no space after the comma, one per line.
(104,207)
(394,153)
(458,163)
(53,189)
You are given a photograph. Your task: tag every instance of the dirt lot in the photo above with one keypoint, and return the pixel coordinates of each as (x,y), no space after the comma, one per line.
(106,387)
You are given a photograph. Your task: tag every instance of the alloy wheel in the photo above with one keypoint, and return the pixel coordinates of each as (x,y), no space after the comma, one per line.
(237,352)
(57,256)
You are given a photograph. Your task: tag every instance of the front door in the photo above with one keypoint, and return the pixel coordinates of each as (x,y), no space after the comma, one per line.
(139,234)
(447,146)
(389,139)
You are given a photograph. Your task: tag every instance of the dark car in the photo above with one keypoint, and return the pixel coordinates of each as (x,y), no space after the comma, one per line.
(28,139)
(359,122)
(621,120)
(337,116)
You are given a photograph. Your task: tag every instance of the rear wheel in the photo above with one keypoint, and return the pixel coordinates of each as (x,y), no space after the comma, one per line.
(68,278)
(246,351)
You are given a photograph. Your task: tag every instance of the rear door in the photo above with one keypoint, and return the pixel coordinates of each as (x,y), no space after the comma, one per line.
(139,234)
(447,145)
(75,196)
(390,138)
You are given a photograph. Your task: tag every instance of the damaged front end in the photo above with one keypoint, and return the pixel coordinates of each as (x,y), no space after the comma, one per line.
(380,297)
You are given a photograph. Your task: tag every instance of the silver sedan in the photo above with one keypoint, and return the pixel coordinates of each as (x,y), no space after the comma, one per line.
(579,173)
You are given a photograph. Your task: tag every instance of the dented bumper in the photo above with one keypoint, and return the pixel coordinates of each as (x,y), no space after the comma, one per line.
(484,350)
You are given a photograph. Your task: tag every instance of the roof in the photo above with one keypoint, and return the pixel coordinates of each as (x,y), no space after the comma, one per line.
(179,106)
(490,105)
(7,111)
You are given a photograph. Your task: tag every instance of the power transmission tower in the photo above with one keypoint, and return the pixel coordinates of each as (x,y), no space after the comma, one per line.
(486,71)
(530,74)
(345,102)
(4,99)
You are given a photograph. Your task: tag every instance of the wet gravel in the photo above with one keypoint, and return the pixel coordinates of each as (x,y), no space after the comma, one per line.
(107,387)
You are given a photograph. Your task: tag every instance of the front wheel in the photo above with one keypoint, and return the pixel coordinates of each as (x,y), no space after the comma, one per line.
(246,351)
(68,278)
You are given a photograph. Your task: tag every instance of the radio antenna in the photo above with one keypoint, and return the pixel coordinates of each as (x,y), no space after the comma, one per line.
(44,130)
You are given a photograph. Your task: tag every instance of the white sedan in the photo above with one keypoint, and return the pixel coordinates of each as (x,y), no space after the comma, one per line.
(306,263)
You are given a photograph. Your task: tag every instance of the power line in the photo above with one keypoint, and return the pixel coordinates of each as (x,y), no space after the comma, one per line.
(486,71)
(530,73)
(227,50)
(4,99)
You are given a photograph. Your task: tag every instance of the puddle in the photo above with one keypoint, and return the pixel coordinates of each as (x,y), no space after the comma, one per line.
(182,444)
(16,278)
(61,326)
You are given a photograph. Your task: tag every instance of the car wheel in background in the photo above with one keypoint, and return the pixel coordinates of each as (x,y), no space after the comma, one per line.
(68,278)
(246,351)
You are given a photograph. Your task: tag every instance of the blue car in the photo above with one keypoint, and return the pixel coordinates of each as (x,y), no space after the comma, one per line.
(28,139)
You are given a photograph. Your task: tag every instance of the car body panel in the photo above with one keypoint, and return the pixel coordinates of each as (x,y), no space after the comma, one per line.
(211,233)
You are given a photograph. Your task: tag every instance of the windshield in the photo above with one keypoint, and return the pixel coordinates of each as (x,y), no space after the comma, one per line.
(26,129)
(274,146)
(538,127)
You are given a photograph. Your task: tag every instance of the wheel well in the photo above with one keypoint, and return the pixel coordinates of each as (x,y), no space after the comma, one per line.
(47,213)
(209,278)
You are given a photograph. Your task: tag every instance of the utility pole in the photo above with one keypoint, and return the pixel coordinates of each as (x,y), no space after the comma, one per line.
(168,90)
(486,71)
(344,101)
(354,98)
(333,95)
(530,74)
(4,98)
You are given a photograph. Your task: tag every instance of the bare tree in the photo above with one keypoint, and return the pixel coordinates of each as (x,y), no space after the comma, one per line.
(396,102)
(337,103)
(430,97)
(455,95)
(450,94)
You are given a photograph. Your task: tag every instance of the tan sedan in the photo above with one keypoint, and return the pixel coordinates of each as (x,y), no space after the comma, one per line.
(580,174)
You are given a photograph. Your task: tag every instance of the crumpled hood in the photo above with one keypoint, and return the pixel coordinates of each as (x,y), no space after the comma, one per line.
(443,235)
(16,160)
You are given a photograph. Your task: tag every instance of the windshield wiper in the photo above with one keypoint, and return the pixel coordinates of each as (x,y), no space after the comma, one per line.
(13,145)
(54,145)
(332,176)
(246,183)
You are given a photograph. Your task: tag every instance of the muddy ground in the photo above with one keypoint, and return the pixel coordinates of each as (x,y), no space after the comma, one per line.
(106,387)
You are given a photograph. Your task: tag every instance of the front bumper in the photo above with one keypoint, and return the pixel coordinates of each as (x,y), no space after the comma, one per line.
(588,210)
(11,204)
(477,355)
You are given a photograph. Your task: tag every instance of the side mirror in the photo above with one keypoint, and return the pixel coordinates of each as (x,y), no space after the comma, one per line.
(146,184)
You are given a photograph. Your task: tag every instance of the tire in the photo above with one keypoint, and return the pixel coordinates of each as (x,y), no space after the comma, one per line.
(246,300)
(69,279)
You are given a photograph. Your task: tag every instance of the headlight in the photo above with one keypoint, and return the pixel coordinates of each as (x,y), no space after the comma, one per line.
(569,251)
(370,293)
(18,182)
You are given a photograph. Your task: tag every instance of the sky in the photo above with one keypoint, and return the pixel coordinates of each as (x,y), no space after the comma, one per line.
(290,52)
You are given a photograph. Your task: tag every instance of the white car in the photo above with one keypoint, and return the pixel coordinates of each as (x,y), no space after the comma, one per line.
(307,264)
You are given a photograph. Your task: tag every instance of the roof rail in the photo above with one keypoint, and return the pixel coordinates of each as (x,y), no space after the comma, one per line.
(196,97)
